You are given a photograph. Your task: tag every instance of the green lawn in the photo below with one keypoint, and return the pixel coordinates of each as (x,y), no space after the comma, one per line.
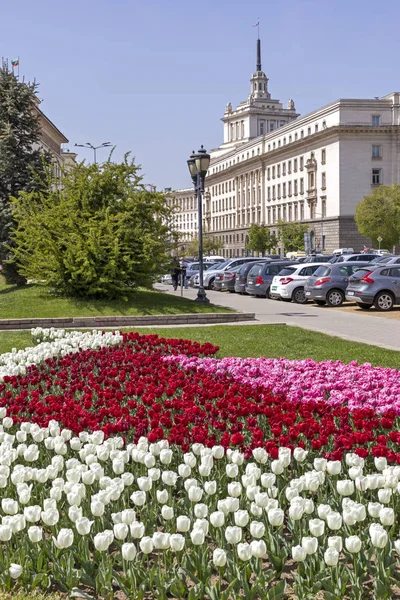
(258,340)
(35,301)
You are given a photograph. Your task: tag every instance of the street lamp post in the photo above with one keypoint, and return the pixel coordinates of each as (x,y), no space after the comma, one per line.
(94,148)
(198,166)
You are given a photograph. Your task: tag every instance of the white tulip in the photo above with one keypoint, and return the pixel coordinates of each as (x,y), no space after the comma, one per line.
(310,544)
(241,518)
(300,454)
(83,525)
(331,557)
(299,554)
(234,489)
(334,520)
(5,533)
(320,464)
(345,487)
(195,494)
(184,471)
(9,506)
(162,496)
(97,508)
(210,487)
(154,474)
(219,558)
(257,529)
(260,455)
(244,551)
(275,517)
(378,535)
(35,534)
(50,516)
(103,540)
(15,570)
(197,536)
(137,530)
(177,542)
(277,467)
(167,512)
(217,518)
(128,551)
(258,548)
(201,511)
(237,458)
(166,457)
(232,471)
(353,544)
(121,531)
(233,535)
(144,483)
(386,516)
(32,513)
(182,524)
(169,478)
(189,459)
(380,462)
(146,545)
(296,511)
(128,516)
(336,542)
(65,538)
(139,498)
(374,508)
(317,527)
(384,495)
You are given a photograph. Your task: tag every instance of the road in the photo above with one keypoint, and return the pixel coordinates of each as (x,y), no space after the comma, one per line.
(347,323)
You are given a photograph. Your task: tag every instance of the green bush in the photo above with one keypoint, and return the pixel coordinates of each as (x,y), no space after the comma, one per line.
(100,234)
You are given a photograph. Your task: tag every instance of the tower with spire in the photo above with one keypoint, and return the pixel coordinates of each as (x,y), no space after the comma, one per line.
(258,115)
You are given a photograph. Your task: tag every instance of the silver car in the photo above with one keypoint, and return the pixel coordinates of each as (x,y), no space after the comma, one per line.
(260,277)
(377,286)
(328,284)
(209,276)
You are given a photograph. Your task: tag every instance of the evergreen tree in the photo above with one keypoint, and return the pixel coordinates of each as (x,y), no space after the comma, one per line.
(101,234)
(21,160)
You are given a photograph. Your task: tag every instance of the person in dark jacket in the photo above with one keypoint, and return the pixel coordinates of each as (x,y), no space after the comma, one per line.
(175,271)
(182,267)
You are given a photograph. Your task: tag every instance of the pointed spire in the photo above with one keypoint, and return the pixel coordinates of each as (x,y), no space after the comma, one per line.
(258,65)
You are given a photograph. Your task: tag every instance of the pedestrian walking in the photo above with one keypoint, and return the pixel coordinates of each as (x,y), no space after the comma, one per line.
(175,272)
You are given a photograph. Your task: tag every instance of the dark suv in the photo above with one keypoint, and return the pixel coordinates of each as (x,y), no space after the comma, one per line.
(260,277)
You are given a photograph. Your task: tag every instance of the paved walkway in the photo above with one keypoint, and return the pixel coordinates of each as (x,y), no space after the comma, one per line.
(367,328)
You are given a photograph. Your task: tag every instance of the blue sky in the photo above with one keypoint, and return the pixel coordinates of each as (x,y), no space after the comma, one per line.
(153,77)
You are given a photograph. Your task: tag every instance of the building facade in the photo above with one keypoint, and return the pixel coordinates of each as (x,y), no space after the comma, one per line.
(274,165)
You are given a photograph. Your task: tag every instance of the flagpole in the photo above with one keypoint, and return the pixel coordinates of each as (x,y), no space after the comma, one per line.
(18,68)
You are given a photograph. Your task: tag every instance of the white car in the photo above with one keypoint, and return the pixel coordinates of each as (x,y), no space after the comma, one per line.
(289,283)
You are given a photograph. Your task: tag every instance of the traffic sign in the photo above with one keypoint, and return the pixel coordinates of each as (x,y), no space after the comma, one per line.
(379,239)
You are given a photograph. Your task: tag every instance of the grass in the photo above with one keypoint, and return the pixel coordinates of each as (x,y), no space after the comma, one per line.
(35,301)
(257,340)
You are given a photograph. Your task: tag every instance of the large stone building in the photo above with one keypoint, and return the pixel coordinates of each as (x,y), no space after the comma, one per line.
(314,169)
(52,140)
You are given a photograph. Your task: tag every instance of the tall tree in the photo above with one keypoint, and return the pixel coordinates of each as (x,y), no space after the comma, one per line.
(378,215)
(292,235)
(261,239)
(211,245)
(21,160)
(101,234)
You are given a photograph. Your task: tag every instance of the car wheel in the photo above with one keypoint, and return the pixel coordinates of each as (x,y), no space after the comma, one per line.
(320,302)
(211,285)
(335,298)
(268,293)
(299,296)
(364,305)
(384,301)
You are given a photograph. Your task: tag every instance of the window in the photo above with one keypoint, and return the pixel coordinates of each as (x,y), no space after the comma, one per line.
(309,131)
(284,190)
(295,165)
(295,211)
(274,215)
(323,181)
(395,272)
(279,191)
(273,193)
(301,211)
(269,193)
(269,173)
(289,188)
(273,172)
(376,176)
(269,215)
(376,120)
(316,128)
(323,207)
(278,169)
(289,166)
(295,136)
(262,128)
(302,185)
(295,187)
(323,156)
(376,152)
(301,133)
(290,212)
(284,168)
(290,139)
(301,163)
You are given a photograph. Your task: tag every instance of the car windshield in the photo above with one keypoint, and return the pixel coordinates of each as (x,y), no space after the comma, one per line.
(380,260)
(221,266)
(255,270)
(360,273)
(287,271)
(322,272)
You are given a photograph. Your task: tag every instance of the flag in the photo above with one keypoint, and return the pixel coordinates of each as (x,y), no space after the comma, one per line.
(15,63)
(257,24)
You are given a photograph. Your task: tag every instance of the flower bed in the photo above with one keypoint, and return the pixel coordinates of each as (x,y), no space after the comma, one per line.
(132,465)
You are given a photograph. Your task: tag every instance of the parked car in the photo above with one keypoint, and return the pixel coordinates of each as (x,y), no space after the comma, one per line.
(193,268)
(166,279)
(289,283)
(228,279)
(210,275)
(260,277)
(353,257)
(328,284)
(386,260)
(315,258)
(241,275)
(377,286)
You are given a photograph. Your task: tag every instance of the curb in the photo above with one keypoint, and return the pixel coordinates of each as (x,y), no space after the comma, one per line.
(95,322)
